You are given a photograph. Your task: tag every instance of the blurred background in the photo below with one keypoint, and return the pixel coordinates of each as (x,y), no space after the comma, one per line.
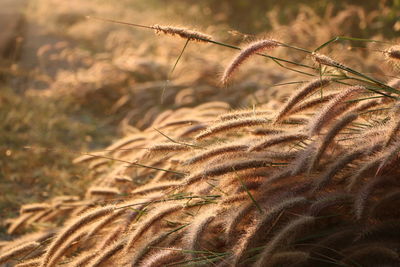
(69,84)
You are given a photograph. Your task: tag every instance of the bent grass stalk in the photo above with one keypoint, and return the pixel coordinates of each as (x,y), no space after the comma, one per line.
(199,38)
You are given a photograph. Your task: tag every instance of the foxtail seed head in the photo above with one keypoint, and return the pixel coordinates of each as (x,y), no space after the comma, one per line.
(246,52)
(182,32)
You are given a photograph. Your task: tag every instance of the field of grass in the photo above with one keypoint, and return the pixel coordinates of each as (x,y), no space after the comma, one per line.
(256,143)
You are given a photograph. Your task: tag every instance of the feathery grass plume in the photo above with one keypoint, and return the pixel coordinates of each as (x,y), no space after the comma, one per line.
(19,223)
(253,233)
(98,162)
(44,216)
(63,248)
(65,199)
(328,200)
(364,193)
(178,123)
(245,242)
(72,228)
(300,94)
(333,108)
(86,158)
(34,207)
(141,253)
(18,251)
(227,126)
(229,200)
(182,32)
(104,222)
(392,152)
(280,155)
(301,162)
(392,134)
(325,60)
(168,147)
(342,162)
(123,179)
(264,131)
(384,231)
(372,255)
(162,117)
(248,51)
(394,83)
(106,253)
(29,263)
(40,237)
(125,141)
(151,187)
(163,258)
(252,182)
(387,206)
(288,258)
(276,176)
(103,191)
(192,130)
(236,218)
(140,204)
(82,259)
(213,105)
(159,176)
(333,244)
(229,167)
(38,215)
(112,236)
(223,149)
(197,228)
(244,114)
(365,105)
(283,237)
(312,102)
(358,175)
(330,135)
(152,218)
(283,138)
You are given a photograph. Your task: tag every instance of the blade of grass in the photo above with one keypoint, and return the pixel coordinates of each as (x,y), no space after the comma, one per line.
(340,38)
(177,142)
(248,192)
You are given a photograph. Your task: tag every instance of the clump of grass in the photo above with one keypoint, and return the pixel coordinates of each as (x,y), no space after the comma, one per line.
(243,199)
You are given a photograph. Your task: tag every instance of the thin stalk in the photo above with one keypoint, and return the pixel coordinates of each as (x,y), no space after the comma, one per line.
(177,142)
(112,159)
(212,197)
(340,38)
(173,68)
(214,42)
(248,192)
(136,164)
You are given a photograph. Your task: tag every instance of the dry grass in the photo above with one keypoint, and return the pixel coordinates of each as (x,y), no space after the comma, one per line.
(307,178)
